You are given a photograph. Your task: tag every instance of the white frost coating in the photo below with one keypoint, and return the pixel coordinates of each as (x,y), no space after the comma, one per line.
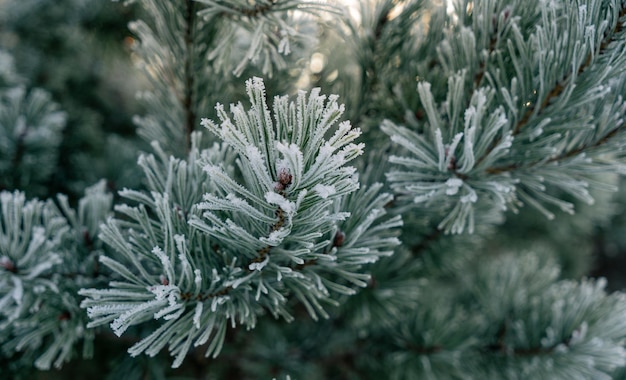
(470,113)
(254,155)
(259,165)
(198,279)
(579,335)
(288,150)
(441,150)
(121,323)
(280,201)
(454,184)
(471,197)
(173,311)
(217,302)
(181,246)
(424,197)
(165,261)
(232,198)
(51,261)
(216,277)
(506,143)
(452,148)
(468,151)
(324,190)
(276,237)
(185,265)
(293,162)
(180,243)
(283,45)
(18,290)
(171,292)
(325,151)
(261,289)
(261,265)
(197,314)
(282,165)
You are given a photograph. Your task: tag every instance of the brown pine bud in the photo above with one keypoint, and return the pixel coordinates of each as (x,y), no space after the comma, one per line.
(284,177)
(339,239)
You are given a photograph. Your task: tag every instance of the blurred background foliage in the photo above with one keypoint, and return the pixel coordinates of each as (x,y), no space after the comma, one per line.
(79,52)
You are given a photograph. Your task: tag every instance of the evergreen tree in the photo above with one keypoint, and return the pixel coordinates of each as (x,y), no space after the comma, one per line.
(401,189)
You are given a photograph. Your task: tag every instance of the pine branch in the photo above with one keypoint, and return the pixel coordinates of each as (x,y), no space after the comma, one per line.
(493,45)
(280,222)
(43,264)
(556,91)
(560,86)
(562,156)
(337,243)
(289,169)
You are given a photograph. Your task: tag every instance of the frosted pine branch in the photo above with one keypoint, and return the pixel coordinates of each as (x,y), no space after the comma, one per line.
(219,241)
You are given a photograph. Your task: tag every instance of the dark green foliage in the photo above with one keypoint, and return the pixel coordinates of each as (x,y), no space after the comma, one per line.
(162,216)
